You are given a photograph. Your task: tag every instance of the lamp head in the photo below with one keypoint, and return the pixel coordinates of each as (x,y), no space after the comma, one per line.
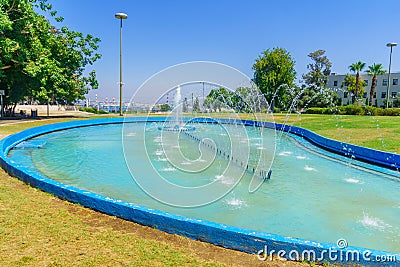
(121,16)
(391,44)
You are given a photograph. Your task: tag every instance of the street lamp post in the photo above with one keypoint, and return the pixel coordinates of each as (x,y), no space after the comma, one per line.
(120,16)
(390,65)
(202,110)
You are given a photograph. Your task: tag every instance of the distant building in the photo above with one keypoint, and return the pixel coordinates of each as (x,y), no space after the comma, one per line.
(335,82)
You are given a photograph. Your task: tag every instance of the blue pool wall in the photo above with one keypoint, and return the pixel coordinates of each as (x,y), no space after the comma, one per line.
(219,234)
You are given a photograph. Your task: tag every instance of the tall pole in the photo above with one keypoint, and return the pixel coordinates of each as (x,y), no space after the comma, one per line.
(203,98)
(1,95)
(203,91)
(2,92)
(120,16)
(120,69)
(192,104)
(390,66)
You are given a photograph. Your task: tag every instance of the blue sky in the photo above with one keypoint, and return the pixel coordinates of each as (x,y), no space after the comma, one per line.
(162,33)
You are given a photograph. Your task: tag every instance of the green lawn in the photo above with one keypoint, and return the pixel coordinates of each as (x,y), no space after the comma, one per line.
(377,132)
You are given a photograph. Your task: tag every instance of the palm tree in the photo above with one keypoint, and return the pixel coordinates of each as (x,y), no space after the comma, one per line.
(356,68)
(374,70)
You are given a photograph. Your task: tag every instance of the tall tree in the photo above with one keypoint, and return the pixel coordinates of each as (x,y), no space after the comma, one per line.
(217,99)
(318,71)
(374,70)
(350,83)
(315,92)
(396,102)
(185,105)
(273,72)
(357,68)
(196,105)
(243,99)
(39,61)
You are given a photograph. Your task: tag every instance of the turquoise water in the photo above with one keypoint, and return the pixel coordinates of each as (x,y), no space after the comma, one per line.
(309,196)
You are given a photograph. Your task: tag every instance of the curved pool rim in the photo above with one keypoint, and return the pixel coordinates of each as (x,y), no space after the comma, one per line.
(218,234)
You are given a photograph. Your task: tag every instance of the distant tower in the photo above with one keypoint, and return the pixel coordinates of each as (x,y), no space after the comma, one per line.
(97,103)
(167,99)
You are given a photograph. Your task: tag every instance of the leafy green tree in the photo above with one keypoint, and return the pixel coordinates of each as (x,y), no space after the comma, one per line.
(248,100)
(396,102)
(350,83)
(321,99)
(273,72)
(185,105)
(357,68)
(218,99)
(165,107)
(318,71)
(196,105)
(40,62)
(374,70)
(243,99)
(315,92)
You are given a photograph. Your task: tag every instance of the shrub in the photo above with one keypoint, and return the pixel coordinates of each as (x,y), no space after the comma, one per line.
(102,112)
(277,110)
(356,110)
(370,111)
(391,112)
(93,110)
(316,111)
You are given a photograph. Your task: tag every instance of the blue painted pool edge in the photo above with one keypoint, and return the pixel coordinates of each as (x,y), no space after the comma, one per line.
(376,157)
(215,233)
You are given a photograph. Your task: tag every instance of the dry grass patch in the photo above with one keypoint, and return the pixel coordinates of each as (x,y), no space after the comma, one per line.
(38,229)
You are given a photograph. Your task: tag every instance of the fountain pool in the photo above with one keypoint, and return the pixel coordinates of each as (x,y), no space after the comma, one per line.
(313,194)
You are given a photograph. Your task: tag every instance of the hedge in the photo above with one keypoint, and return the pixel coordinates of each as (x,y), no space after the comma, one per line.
(93,110)
(355,110)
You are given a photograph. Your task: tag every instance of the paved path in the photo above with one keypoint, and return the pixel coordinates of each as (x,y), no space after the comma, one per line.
(55,115)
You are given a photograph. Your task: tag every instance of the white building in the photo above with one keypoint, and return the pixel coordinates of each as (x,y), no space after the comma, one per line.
(335,82)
